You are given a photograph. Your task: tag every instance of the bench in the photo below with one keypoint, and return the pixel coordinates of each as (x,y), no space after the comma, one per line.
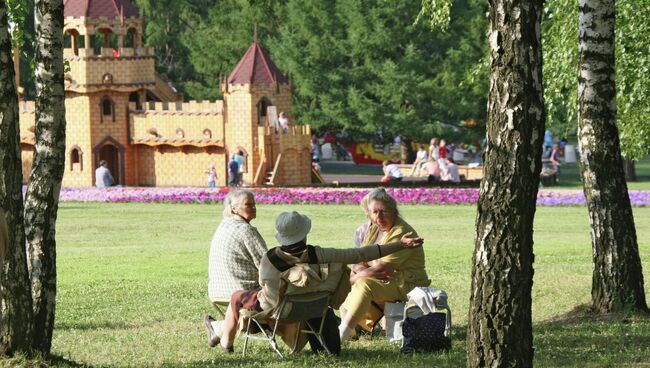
(466,172)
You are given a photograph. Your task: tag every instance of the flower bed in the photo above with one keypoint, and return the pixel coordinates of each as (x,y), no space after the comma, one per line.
(318,195)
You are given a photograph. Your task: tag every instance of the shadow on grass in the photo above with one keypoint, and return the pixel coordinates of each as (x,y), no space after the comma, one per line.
(582,338)
(51,361)
(87,326)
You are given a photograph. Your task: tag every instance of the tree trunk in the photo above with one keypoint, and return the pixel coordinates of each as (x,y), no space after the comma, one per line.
(617,280)
(629,169)
(15,293)
(500,326)
(406,151)
(42,199)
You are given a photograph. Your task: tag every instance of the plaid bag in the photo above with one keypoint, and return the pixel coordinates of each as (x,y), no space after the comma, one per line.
(426,333)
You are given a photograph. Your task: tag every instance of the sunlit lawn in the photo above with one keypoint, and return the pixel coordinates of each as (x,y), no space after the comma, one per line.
(133,278)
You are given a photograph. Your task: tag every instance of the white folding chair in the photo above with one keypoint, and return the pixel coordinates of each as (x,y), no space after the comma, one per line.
(292,308)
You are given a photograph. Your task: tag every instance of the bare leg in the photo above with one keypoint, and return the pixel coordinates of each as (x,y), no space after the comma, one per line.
(229,329)
(348,323)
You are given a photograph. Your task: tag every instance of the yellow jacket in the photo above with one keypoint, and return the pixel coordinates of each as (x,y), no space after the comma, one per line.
(408,263)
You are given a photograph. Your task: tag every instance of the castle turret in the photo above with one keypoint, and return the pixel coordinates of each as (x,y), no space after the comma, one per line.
(108,68)
(254,93)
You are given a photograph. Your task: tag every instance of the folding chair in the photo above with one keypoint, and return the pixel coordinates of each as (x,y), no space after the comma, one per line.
(220,305)
(292,308)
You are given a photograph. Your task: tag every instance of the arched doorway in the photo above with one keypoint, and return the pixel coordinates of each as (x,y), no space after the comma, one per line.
(109,153)
(262,107)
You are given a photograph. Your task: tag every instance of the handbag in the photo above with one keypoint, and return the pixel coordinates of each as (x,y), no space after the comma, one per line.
(394,312)
(425,333)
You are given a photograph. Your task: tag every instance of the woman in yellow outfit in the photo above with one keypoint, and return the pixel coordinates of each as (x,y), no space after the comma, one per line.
(389,278)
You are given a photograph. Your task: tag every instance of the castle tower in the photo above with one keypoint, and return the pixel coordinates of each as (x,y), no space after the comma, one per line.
(108,69)
(254,89)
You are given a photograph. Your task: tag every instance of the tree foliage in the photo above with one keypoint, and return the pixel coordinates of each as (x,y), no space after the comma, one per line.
(359,66)
(632,42)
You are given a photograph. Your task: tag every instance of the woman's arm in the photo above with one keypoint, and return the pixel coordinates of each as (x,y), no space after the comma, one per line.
(367,253)
(380,271)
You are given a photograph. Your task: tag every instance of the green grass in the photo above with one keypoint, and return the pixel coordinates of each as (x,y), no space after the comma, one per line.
(132,287)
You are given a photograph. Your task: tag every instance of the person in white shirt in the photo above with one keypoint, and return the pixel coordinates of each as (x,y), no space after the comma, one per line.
(420,162)
(450,172)
(391,172)
(103,177)
(284,122)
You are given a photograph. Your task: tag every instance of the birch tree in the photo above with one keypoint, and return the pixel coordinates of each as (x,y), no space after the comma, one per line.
(500,324)
(617,278)
(15,294)
(42,200)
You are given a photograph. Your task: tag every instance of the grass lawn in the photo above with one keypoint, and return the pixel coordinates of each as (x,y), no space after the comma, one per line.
(133,279)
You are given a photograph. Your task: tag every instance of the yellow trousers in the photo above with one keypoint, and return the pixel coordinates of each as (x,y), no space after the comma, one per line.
(368,290)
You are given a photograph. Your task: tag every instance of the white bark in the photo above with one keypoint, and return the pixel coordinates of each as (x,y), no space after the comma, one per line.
(41,203)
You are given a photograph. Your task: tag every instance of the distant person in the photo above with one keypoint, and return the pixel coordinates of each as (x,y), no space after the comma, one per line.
(212,176)
(442,152)
(450,172)
(554,158)
(548,142)
(284,122)
(103,177)
(233,171)
(239,157)
(421,158)
(392,172)
(315,150)
(116,52)
(433,169)
(433,148)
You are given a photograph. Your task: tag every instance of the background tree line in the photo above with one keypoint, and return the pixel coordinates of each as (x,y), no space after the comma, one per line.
(363,66)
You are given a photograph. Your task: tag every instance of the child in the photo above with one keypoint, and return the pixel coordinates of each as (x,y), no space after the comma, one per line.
(212,176)
(391,172)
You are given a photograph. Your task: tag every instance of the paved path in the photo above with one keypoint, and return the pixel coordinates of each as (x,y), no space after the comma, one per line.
(351,177)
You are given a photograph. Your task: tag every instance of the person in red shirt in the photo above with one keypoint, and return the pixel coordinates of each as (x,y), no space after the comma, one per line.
(442,150)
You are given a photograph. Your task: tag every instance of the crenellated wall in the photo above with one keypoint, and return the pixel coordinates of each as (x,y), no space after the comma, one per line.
(128,73)
(178,120)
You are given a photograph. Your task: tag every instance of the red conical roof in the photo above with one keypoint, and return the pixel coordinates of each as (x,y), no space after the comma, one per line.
(255,67)
(99,8)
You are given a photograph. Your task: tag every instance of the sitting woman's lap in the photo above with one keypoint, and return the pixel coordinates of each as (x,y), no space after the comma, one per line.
(368,290)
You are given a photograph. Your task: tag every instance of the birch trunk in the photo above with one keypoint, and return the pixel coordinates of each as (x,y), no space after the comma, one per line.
(15,293)
(500,326)
(42,199)
(617,279)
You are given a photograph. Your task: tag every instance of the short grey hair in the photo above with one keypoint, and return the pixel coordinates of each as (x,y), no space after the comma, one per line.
(235,199)
(380,194)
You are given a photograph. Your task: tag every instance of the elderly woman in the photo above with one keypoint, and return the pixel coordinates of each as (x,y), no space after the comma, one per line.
(391,277)
(236,250)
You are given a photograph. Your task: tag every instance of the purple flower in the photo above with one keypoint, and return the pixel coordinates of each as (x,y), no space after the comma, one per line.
(320,195)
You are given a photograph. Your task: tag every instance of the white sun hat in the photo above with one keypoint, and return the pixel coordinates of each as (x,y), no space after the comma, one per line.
(291,227)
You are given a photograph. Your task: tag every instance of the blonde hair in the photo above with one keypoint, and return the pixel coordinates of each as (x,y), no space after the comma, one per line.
(235,199)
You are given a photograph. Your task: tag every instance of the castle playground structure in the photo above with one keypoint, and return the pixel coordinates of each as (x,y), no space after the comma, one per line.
(119,110)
